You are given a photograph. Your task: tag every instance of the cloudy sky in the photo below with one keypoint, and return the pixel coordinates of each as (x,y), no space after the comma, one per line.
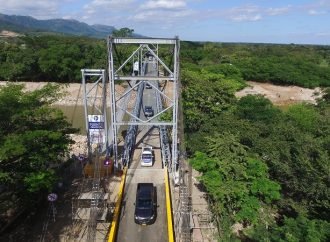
(270,21)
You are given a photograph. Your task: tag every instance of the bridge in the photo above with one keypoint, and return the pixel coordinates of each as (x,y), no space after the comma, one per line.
(142,72)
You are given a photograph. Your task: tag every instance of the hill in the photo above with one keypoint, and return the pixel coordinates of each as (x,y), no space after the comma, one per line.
(27,24)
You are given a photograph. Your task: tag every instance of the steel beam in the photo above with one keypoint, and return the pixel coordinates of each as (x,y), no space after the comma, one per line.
(135,81)
(91,99)
(160,41)
(144,78)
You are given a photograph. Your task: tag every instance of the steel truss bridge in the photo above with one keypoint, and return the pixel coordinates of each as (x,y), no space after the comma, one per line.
(141,72)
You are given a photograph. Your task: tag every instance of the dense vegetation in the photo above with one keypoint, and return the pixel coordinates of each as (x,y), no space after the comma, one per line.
(264,168)
(58,58)
(300,65)
(50,58)
(33,142)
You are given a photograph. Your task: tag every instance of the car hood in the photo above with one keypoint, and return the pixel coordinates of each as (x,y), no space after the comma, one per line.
(144,213)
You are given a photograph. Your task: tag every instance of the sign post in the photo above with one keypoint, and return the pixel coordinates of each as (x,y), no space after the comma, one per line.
(52,197)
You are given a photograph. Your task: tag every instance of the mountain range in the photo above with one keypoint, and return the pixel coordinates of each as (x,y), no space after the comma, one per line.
(27,24)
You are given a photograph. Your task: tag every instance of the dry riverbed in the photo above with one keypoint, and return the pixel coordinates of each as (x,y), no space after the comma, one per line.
(279,95)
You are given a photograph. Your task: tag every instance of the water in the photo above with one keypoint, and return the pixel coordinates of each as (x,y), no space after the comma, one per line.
(75,115)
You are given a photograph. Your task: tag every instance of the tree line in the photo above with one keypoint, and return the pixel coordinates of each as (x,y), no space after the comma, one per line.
(264,167)
(50,58)
(60,59)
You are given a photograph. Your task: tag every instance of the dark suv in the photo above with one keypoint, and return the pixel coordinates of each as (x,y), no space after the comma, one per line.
(145,204)
(148,111)
(148,86)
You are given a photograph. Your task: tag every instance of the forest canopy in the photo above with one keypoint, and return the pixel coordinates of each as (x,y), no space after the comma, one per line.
(60,59)
(34,141)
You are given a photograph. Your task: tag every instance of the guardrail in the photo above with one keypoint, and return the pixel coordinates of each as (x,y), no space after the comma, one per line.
(164,142)
(115,222)
(170,229)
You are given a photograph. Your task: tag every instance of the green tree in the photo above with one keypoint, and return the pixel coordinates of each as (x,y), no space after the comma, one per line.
(256,108)
(123,32)
(293,230)
(238,185)
(34,137)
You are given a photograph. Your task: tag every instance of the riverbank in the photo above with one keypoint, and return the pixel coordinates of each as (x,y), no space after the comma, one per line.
(278,95)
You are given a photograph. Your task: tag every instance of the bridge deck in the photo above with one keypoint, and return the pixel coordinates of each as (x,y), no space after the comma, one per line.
(148,136)
(128,230)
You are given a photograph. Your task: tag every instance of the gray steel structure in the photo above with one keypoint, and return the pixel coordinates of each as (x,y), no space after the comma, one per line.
(95,103)
(144,46)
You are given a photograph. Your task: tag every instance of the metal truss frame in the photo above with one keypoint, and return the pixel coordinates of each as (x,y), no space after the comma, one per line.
(115,76)
(95,101)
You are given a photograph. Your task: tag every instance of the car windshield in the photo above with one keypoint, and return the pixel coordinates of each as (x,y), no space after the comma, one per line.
(146,157)
(144,203)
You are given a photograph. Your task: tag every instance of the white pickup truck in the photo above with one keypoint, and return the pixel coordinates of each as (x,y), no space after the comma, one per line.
(147,156)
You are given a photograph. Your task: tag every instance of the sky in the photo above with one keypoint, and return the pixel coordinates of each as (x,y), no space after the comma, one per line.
(258,21)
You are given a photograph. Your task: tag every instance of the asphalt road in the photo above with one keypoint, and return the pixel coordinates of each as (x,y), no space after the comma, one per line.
(128,230)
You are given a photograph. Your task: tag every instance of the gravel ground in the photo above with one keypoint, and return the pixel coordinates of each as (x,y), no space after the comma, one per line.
(281,95)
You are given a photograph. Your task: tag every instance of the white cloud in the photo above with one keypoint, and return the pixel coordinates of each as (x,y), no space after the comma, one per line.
(164,4)
(107,5)
(246,17)
(109,12)
(316,8)
(245,13)
(316,12)
(277,11)
(323,34)
(163,17)
(41,9)
(163,14)
(118,4)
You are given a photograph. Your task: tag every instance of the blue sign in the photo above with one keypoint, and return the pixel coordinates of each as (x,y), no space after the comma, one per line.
(96,125)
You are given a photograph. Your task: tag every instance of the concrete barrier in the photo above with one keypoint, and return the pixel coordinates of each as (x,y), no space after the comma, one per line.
(170,230)
(115,222)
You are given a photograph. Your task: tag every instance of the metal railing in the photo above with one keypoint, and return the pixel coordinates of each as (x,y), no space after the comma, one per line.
(130,138)
(164,142)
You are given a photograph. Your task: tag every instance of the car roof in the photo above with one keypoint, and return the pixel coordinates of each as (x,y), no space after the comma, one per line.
(145,188)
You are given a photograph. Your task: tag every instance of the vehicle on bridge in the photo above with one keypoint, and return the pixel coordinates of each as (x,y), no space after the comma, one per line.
(148,86)
(148,111)
(145,204)
(136,68)
(147,156)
